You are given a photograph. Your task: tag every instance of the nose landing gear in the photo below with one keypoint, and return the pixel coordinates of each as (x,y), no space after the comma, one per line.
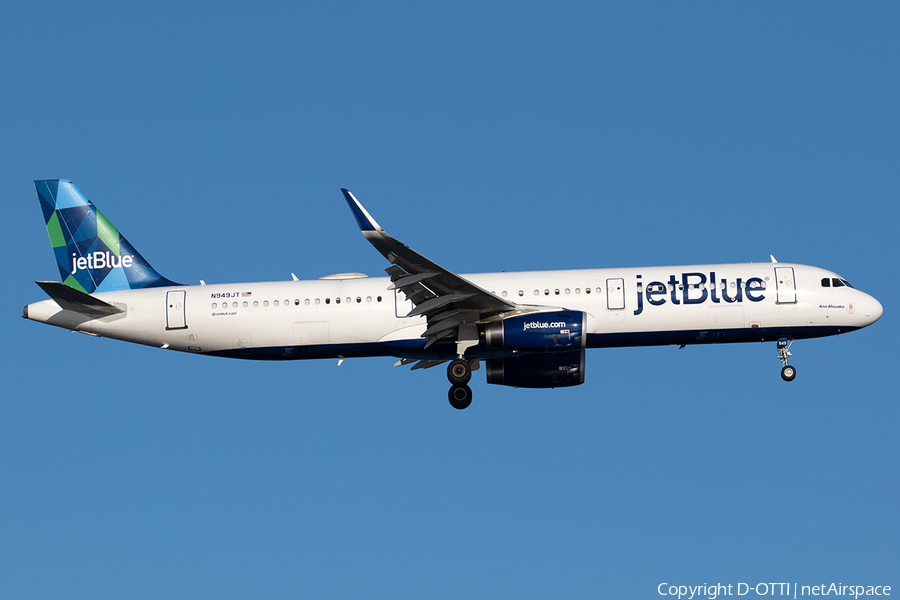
(787,371)
(459,372)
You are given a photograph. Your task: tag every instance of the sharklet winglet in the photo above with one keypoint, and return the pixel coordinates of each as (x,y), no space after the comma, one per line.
(362,216)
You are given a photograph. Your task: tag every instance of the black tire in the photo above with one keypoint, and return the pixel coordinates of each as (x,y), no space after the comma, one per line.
(788,373)
(459,372)
(460,396)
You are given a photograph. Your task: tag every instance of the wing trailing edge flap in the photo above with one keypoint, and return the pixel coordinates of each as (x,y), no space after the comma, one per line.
(408,280)
(69,298)
(420,363)
(436,292)
(426,364)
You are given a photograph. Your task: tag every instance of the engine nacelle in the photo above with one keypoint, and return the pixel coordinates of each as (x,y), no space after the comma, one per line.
(562,369)
(541,331)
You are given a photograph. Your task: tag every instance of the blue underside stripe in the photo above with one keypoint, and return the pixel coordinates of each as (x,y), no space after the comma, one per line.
(414,348)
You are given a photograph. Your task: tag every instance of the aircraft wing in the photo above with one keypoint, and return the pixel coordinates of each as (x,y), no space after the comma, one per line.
(443,297)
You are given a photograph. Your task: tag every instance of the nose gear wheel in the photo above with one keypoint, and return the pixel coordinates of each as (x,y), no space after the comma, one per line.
(787,371)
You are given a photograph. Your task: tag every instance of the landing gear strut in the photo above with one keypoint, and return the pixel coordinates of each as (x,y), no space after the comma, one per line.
(787,371)
(459,372)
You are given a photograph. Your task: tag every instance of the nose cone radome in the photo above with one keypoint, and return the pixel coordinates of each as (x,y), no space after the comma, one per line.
(873,310)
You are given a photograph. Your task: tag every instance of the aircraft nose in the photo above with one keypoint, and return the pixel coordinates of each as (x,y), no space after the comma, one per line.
(873,310)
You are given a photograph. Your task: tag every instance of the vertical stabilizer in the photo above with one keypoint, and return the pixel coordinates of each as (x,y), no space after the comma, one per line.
(91,254)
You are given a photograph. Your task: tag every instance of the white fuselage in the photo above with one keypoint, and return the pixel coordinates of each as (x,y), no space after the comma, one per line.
(359,316)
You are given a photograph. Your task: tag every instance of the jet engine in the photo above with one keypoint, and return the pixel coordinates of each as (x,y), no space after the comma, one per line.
(540,331)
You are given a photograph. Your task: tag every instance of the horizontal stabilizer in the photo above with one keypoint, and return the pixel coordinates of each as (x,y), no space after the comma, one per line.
(69,298)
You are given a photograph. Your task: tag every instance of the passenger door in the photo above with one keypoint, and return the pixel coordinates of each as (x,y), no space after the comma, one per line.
(175,310)
(615,294)
(786,289)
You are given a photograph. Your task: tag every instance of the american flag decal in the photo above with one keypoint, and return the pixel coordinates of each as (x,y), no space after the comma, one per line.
(246,294)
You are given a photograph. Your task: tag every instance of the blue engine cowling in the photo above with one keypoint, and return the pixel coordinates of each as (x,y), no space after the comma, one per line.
(542,331)
(559,369)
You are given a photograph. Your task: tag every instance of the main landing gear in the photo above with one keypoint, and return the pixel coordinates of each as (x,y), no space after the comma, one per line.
(459,372)
(787,371)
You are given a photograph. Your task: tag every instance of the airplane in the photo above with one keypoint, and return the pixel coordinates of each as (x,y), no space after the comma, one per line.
(529,329)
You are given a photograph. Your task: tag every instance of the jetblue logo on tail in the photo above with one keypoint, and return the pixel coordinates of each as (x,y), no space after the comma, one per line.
(100,260)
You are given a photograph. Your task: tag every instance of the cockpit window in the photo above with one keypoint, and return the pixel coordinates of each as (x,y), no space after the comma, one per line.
(835,282)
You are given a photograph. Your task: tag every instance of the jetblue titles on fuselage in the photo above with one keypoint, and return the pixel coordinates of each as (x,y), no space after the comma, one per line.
(692,288)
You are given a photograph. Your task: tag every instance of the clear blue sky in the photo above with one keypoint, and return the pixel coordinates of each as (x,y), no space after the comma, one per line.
(488,136)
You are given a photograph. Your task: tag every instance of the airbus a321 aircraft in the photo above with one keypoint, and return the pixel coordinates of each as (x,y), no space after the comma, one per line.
(529,329)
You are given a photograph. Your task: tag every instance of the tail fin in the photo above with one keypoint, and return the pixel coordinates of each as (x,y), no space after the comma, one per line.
(91,254)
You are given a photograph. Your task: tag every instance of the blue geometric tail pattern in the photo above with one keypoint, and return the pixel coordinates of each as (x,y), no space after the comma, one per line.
(91,254)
